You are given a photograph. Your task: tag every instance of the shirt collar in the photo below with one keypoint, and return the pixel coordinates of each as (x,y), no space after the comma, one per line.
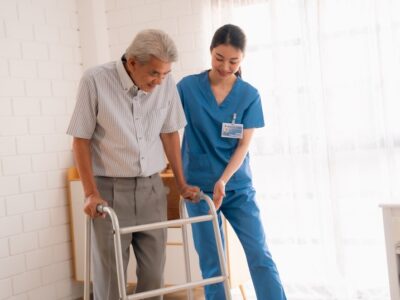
(126,80)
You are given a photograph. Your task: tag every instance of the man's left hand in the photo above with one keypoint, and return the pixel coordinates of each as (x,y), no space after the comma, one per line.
(190,192)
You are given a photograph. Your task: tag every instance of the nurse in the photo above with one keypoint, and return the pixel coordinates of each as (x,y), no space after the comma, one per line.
(223,111)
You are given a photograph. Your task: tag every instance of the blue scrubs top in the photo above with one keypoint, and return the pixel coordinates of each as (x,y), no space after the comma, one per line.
(205,153)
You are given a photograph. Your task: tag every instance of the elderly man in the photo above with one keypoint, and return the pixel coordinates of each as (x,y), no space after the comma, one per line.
(127,115)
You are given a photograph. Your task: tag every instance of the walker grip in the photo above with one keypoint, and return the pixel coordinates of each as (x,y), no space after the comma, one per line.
(100,208)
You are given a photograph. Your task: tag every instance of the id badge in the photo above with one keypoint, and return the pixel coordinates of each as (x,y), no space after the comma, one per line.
(232,130)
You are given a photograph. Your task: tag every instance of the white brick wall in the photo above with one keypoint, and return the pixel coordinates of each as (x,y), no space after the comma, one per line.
(20,204)
(40,66)
(5,107)
(28,144)
(23,243)
(12,265)
(13,165)
(19,297)
(40,258)
(47,292)
(26,281)
(5,289)
(26,106)
(4,250)
(187,21)
(7,146)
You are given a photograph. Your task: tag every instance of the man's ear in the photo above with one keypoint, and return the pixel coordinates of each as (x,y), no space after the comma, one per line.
(132,63)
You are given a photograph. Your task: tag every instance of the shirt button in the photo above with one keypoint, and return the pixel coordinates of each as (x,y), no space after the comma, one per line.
(142,158)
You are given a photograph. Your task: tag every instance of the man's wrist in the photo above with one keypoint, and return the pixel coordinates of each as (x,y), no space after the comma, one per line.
(92,194)
(182,186)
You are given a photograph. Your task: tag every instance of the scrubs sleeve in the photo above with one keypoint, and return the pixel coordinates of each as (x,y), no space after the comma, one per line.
(181,94)
(253,116)
(84,117)
(175,118)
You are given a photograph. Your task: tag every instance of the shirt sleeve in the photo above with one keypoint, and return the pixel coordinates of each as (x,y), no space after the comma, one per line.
(175,118)
(253,116)
(84,117)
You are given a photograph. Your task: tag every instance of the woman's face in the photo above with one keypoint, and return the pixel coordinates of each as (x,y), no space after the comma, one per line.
(225,60)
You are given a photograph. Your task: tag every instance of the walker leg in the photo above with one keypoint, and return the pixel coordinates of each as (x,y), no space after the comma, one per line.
(118,249)
(220,250)
(183,214)
(119,262)
(86,288)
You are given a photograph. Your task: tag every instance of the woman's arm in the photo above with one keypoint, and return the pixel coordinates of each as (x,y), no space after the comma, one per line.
(234,164)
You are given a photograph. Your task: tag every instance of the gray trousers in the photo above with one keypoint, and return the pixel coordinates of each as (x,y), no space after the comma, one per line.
(136,201)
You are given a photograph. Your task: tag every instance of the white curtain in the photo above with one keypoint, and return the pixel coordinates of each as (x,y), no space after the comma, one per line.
(329,76)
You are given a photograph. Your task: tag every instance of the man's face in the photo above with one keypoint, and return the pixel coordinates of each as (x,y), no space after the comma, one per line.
(146,76)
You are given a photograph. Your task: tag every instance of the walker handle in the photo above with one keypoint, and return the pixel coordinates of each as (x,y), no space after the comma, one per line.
(100,208)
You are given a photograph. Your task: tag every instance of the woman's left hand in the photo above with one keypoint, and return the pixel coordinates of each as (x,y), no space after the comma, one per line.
(219,193)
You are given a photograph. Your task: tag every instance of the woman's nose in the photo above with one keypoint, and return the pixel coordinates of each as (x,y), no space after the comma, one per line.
(226,66)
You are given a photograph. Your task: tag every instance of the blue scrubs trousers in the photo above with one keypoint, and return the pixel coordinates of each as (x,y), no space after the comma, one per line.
(241,210)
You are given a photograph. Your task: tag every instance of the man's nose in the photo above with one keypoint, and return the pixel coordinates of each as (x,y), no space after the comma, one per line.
(159,79)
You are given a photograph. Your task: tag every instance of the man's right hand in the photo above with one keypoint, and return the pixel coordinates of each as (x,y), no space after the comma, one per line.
(91,203)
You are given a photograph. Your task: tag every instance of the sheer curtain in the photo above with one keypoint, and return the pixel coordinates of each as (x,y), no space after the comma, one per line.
(329,76)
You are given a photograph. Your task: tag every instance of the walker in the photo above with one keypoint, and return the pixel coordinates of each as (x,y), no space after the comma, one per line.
(182,222)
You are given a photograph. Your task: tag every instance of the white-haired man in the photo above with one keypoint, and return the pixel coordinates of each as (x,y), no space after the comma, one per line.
(127,115)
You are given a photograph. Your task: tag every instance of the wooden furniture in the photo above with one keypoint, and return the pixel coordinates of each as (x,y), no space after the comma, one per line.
(391,223)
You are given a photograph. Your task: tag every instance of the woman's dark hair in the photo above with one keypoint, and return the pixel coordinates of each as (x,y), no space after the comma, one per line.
(230,35)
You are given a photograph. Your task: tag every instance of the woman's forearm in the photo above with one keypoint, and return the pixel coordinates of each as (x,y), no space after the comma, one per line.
(238,156)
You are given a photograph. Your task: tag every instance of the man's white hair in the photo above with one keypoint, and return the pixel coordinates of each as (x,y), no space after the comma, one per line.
(152,42)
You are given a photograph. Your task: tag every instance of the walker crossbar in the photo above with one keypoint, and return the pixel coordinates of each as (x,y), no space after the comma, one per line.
(164,224)
(117,232)
(176,288)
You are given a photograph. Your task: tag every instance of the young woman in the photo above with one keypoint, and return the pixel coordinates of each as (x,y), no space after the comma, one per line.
(222,112)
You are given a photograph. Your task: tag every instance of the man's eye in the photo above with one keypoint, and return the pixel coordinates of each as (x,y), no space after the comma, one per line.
(219,59)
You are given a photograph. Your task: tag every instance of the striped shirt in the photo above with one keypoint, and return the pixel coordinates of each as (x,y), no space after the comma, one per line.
(124,123)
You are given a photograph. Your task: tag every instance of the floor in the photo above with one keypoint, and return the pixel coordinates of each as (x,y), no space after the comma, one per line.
(198,295)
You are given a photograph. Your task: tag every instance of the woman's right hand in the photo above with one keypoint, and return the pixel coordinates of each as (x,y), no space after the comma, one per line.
(219,193)
(91,203)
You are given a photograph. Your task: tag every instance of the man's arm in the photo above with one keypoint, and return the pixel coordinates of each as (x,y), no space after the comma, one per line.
(171,143)
(83,161)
